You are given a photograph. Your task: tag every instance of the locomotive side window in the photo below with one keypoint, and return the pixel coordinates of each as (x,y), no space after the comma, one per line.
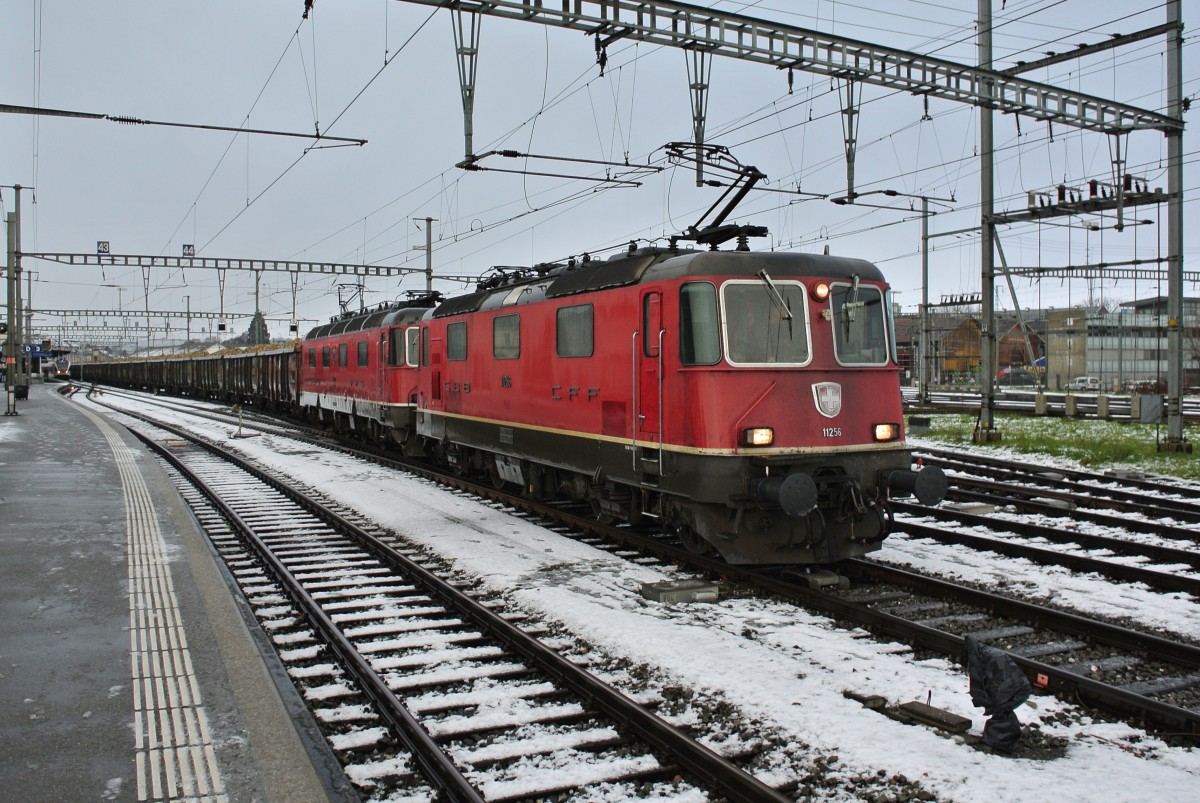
(324,356)
(343,353)
(412,346)
(456,341)
(573,331)
(312,358)
(364,354)
(765,323)
(859,330)
(506,337)
(699,330)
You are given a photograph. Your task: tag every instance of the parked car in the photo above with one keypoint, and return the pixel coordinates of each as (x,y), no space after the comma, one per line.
(1017,376)
(1088,383)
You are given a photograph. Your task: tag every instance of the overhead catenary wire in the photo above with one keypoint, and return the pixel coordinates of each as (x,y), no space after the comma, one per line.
(777,122)
(543,109)
(306,151)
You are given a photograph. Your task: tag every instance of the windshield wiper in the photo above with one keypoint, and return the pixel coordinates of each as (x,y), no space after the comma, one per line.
(775,295)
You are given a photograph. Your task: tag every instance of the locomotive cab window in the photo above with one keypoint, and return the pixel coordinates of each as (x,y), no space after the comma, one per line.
(456,341)
(765,322)
(699,328)
(312,358)
(364,354)
(506,337)
(860,334)
(573,332)
(343,355)
(324,356)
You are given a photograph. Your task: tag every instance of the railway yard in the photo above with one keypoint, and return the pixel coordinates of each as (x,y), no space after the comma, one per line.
(580,445)
(453,640)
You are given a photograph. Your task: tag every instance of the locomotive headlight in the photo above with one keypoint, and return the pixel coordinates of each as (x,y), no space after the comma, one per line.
(887,432)
(820,291)
(758,436)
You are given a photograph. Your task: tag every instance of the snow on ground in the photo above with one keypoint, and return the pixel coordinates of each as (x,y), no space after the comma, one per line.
(793,673)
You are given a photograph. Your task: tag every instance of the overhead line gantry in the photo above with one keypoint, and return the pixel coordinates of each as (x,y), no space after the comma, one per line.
(718,33)
(221,263)
(705,32)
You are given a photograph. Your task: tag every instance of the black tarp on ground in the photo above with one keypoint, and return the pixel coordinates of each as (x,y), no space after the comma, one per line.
(998,686)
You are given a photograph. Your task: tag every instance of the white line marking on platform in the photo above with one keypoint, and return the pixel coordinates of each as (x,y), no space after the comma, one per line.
(171,755)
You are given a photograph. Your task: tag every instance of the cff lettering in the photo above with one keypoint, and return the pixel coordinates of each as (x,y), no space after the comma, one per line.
(573,392)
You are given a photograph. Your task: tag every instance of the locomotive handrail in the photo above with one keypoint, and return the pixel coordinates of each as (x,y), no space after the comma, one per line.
(633,419)
(662,422)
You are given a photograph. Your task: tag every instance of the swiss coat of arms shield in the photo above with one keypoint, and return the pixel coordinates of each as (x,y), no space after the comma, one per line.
(828,396)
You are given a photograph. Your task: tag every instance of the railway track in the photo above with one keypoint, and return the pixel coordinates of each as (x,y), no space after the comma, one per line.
(1141,677)
(1100,554)
(1025,402)
(1006,481)
(426,690)
(1152,680)
(1145,528)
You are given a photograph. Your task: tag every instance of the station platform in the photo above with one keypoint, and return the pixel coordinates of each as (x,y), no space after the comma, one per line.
(128,668)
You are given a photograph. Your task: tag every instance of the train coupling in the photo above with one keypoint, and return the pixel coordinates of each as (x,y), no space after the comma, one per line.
(928,485)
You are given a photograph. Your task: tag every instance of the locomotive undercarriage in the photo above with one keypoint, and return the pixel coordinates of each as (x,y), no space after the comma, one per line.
(714,503)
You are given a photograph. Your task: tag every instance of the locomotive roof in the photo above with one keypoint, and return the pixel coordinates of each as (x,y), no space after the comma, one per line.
(654,263)
(527,285)
(775,263)
(384,315)
(561,280)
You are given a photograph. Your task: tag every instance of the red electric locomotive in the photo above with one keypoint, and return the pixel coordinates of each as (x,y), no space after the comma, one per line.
(359,371)
(748,401)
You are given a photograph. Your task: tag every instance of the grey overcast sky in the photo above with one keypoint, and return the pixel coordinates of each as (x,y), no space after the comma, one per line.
(259,64)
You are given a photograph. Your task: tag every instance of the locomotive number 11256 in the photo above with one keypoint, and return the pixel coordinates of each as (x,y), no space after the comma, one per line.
(831,432)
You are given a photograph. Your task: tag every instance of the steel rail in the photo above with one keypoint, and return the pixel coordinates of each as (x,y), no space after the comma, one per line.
(1108,485)
(1045,676)
(1164,581)
(1154,552)
(1085,505)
